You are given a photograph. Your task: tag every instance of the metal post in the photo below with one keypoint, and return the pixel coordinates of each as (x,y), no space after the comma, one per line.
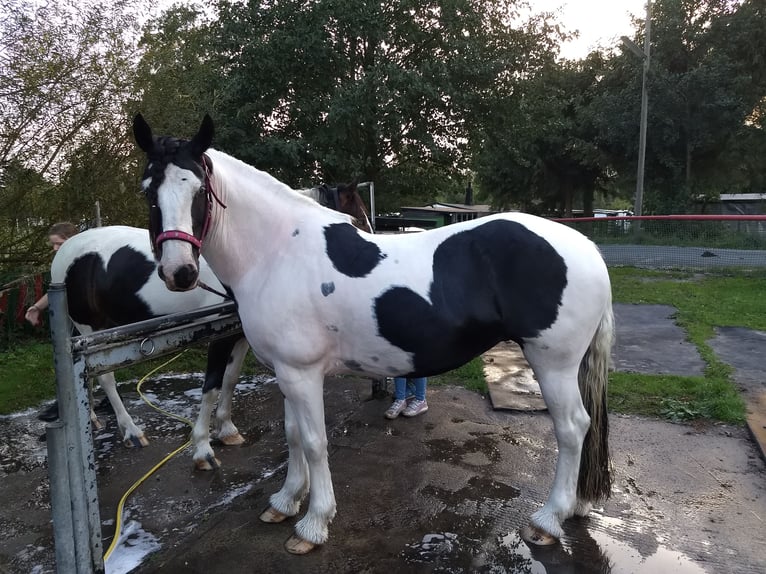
(74,414)
(638,208)
(61,509)
(372,203)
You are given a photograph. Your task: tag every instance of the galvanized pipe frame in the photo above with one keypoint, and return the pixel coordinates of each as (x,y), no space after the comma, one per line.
(71,458)
(142,342)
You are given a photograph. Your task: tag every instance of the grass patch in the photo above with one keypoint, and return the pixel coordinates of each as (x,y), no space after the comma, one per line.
(470,376)
(675,397)
(703,302)
(26,376)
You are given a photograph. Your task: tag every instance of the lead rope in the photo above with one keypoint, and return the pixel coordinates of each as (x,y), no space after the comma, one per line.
(207,287)
(121,505)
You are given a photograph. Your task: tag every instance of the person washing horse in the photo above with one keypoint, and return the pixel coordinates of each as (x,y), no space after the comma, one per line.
(57,235)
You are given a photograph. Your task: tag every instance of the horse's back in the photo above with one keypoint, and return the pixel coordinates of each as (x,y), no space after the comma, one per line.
(111,279)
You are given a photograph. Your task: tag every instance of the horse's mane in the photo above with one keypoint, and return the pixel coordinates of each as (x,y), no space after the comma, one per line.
(267,180)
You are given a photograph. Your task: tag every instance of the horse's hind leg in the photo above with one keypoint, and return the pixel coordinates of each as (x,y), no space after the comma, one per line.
(224,363)
(226,431)
(570,423)
(132,435)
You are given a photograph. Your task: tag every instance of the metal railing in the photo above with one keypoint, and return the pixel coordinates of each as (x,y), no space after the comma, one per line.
(71,460)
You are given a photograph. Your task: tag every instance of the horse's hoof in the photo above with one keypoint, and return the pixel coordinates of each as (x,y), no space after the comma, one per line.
(136,441)
(272,516)
(232,440)
(210,463)
(537,536)
(297,545)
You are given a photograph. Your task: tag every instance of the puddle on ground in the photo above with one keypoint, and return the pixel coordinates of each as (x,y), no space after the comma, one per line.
(23,448)
(585,550)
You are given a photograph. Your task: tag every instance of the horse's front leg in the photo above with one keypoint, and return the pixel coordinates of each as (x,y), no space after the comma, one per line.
(132,435)
(303,391)
(287,501)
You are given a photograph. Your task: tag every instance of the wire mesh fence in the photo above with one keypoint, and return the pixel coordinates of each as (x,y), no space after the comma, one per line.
(684,242)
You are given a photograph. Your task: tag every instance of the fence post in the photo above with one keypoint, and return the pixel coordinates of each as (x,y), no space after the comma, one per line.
(74,412)
(61,509)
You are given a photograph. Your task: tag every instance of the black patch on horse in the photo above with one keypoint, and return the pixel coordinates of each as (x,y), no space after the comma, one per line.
(349,252)
(496,282)
(218,358)
(104,296)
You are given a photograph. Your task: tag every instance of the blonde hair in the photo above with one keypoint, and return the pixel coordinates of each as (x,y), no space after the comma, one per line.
(63,229)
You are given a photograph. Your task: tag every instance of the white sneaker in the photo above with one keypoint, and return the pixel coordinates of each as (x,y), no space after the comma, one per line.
(415,408)
(396,408)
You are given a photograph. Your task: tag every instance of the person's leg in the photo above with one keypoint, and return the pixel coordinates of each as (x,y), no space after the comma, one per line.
(419,385)
(400,388)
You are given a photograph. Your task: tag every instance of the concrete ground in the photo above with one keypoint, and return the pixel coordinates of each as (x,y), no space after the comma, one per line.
(443,492)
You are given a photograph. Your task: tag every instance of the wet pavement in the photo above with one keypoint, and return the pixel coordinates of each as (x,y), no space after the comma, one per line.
(442,492)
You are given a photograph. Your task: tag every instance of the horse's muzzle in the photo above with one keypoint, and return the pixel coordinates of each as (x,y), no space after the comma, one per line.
(183,278)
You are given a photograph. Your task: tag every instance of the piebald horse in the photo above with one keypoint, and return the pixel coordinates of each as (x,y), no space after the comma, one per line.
(319,297)
(111,279)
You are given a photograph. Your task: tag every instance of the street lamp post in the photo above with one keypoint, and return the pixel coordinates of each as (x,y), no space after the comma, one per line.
(644,55)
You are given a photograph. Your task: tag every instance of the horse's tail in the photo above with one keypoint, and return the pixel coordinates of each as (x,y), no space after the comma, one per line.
(595,480)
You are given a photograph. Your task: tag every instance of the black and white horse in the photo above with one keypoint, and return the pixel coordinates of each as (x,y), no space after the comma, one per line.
(111,278)
(317,296)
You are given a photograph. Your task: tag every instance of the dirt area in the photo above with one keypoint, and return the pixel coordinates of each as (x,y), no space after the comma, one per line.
(443,492)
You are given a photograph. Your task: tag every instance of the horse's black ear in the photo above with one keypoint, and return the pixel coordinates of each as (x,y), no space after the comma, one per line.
(204,137)
(143,133)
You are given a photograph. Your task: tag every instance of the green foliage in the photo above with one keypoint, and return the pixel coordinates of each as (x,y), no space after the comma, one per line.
(383,92)
(470,376)
(28,377)
(66,68)
(539,153)
(706,85)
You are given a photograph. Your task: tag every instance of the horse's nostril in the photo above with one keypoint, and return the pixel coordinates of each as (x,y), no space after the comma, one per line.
(185,277)
(160,272)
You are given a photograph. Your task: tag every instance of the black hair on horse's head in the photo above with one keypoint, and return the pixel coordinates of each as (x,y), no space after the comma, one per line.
(165,148)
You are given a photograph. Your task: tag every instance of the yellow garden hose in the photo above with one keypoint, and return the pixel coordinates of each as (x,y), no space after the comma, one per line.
(120,506)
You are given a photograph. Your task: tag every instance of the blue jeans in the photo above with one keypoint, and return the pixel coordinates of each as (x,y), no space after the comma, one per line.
(418,387)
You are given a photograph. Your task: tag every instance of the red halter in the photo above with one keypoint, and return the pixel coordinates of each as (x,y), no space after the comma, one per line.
(210,194)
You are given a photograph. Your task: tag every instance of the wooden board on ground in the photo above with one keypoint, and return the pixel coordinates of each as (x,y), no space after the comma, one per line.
(512,386)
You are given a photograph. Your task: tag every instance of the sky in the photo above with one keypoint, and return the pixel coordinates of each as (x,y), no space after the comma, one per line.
(599,21)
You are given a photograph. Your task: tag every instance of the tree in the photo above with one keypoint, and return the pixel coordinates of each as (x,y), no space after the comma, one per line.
(389,92)
(540,154)
(706,79)
(64,75)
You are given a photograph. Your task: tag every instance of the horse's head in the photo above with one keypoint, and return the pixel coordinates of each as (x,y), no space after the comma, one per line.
(176,186)
(350,202)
